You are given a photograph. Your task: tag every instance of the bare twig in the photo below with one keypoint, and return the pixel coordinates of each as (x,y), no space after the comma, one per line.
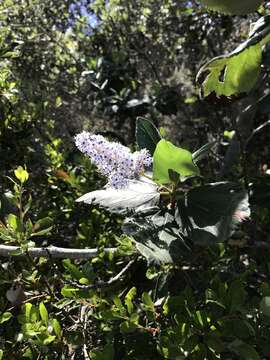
(100,284)
(83,320)
(258,129)
(53,251)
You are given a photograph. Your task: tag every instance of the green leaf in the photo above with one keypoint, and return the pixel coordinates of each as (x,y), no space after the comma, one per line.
(27,309)
(1,354)
(147,135)
(72,269)
(14,223)
(232,7)
(42,226)
(156,238)
(49,339)
(57,327)
(43,313)
(168,156)
(21,174)
(265,306)
(68,291)
(238,72)
(210,213)
(241,73)
(244,350)
(198,317)
(148,302)
(5,317)
(28,354)
(118,304)
(128,299)
(202,152)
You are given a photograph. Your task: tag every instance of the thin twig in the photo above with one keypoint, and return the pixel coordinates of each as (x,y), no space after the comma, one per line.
(100,284)
(83,320)
(258,129)
(28,300)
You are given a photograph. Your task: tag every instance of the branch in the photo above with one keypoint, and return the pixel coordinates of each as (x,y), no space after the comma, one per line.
(101,284)
(53,251)
(258,129)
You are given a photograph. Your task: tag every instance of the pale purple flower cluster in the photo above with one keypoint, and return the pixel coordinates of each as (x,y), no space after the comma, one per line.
(112,159)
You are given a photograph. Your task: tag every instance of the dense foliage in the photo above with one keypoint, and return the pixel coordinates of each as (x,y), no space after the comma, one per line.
(181,269)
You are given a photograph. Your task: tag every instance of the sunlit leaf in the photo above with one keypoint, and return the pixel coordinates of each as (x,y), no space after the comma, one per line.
(238,72)
(232,7)
(170,157)
(21,174)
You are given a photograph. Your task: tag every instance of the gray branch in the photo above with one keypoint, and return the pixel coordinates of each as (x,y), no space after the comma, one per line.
(52,251)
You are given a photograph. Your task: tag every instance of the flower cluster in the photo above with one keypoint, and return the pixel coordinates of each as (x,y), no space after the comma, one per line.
(112,159)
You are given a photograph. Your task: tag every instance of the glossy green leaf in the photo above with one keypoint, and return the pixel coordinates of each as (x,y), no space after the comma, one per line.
(209,213)
(49,340)
(156,238)
(68,291)
(232,7)
(238,72)
(148,302)
(27,309)
(147,135)
(42,226)
(21,174)
(128,299)
(5,317)
(43,313)
(14,223)
(75,272)
(168,156)
(57,327)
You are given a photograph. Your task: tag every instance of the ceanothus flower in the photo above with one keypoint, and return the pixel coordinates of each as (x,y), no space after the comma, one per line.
(113,160)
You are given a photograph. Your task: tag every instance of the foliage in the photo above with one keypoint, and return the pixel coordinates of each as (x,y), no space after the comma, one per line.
(231,7)
(187,277)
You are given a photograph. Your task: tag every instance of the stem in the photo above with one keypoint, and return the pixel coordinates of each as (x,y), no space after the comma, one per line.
(20,202)
(101,284)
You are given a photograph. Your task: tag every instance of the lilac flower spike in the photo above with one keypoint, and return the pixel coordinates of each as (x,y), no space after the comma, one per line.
(112,159)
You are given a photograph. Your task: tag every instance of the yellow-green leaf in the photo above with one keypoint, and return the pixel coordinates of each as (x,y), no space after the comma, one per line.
(170,157)
(21,174)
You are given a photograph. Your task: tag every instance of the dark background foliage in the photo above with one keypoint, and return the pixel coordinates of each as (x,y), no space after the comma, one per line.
(98,65)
